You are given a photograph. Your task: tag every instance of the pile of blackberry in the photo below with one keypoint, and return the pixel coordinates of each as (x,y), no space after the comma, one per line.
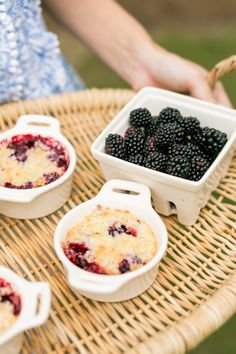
(169,143)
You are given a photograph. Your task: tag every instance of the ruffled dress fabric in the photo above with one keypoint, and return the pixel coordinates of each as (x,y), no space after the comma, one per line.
(31,64)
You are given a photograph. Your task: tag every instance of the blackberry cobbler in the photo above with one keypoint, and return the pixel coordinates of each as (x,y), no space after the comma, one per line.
(110,241)
(30,161)
(10,305)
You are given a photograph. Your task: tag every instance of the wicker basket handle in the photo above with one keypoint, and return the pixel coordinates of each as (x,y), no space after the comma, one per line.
(221,69)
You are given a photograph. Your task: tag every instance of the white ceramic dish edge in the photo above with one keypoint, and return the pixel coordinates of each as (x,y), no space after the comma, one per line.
(112,288)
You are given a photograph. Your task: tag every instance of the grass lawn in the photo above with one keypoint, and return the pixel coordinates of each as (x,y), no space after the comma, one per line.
(207,48)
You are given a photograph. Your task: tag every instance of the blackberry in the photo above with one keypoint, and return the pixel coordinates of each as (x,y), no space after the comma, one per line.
(156,161)
(140,117)
(195,150)
(191,125)
(211,141)
(179,134)
(169,134)
(150,146)
(169,115)
(136,159)
(151,129)
(134,144)
(199,165)
(124,266)
(179,150)
(132,131)
(115,146)
(189,150)
(178,166)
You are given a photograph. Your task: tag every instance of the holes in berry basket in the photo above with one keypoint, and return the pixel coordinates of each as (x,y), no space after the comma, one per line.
(172,206)
(124,191)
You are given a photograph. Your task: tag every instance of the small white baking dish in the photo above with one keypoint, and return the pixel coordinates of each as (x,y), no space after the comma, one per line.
(171,195)
(41,201)
(36,303)
(125,286)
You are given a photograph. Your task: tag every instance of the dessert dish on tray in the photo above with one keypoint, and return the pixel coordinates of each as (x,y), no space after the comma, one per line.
(110,241)
(111,245)
(36,168)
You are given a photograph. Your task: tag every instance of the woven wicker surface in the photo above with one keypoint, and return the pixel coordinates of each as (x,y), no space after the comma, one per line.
(224,67)
(195,291)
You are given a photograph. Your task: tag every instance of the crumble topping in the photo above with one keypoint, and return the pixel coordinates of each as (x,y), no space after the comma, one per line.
(29,161)
(110,241)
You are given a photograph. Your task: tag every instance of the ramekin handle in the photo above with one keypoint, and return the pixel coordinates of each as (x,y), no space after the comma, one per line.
(41,293)
(42,121)
(86,285)
(114,188)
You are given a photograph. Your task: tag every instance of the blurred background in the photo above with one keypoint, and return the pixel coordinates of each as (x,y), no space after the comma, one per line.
(203,31)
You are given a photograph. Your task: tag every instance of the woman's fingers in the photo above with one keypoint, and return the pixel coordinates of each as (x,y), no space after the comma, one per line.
(221,96)
(199,88)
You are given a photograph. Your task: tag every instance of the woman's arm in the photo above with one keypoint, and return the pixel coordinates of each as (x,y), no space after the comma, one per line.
(121,42)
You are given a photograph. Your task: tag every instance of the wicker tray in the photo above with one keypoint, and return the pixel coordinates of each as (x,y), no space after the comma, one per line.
(195,291)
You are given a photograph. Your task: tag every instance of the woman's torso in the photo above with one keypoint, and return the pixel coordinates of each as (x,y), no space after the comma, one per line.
(31,64)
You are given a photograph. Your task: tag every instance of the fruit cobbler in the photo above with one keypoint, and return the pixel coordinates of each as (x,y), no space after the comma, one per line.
(10,305)
(110,241)
(29,161)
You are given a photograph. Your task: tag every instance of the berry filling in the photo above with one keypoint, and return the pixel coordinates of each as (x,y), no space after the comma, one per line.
(124,266)
(115,230)
(29,161)
(76,253)
(8,294)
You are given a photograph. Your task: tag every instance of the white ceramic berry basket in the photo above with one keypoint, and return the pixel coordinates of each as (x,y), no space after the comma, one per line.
(111,288)
(36,303)
(171,195)
(41,201)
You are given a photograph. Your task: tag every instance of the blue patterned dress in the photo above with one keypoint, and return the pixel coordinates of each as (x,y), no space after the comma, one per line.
(31,64)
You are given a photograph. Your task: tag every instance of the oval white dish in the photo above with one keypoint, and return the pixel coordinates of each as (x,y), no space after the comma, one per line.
(125,286)
(41,201)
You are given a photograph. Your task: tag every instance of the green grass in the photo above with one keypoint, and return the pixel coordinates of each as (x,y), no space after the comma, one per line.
(222,341)
(205,48)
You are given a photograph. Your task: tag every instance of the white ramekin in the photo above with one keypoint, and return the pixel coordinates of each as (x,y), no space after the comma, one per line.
(41,201)
(121,287)
(36,303)
(171,195)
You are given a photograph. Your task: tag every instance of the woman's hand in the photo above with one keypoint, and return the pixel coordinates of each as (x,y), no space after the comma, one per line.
(121,42)
(169,71)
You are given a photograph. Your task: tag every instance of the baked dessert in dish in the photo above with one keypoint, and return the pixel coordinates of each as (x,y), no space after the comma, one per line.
(30,161)
(10,305)
(110,241)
